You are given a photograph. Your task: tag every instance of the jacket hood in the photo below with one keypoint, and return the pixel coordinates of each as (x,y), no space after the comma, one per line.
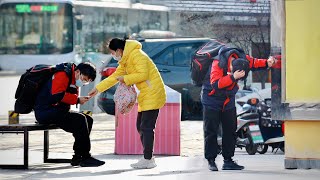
(226,52)
(130,46)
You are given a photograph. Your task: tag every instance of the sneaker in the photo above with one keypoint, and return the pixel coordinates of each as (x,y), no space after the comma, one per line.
(231,165)
(212,165)
(144,164)
(91,162)
(76,159)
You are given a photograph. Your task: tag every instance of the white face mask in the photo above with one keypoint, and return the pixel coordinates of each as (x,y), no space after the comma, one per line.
(79,83)
(115,57)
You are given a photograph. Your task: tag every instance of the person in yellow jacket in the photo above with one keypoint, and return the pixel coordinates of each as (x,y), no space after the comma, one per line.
(135,67)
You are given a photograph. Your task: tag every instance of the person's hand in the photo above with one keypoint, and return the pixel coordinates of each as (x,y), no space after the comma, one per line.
(239,74)
(120,79)
(93,92)
(271,61)
(83,99)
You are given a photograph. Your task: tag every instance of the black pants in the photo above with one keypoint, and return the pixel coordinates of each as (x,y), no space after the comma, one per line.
(80,126)
(146,122)
(211,121)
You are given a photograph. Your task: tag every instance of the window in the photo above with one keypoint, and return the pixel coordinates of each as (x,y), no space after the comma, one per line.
(165,58)
(177,55)
(36,28)
(183,54)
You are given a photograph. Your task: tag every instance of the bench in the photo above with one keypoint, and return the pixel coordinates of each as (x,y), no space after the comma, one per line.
(25,129)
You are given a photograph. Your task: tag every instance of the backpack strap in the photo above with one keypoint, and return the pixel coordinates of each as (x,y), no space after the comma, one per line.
(66,67)
(69,69)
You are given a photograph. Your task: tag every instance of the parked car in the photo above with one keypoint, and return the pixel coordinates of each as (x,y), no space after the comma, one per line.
(172,58)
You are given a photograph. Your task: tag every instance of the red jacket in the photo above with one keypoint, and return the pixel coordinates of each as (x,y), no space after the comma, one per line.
(55,97)
(218,78)
(60,82)
(222,87)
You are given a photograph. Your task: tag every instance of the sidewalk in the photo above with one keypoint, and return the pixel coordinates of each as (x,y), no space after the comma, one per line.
(190,165)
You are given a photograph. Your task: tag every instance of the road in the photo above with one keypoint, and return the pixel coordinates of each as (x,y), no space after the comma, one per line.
(189,165)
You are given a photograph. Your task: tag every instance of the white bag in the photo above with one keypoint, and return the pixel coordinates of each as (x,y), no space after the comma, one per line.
(124,98)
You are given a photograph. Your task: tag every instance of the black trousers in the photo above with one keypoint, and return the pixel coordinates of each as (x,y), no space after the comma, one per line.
(146,122)
(80,126)
(211,121)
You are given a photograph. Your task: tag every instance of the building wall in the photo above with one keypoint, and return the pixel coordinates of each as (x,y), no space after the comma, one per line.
(302,139)
(302,46)
(302,51)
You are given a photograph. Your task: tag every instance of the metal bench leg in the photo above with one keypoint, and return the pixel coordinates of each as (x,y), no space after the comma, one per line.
(26,149)
(46,146)
(25,153)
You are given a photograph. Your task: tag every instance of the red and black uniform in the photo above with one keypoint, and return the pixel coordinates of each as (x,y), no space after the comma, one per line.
(52,107)
(218,100)
(55,97)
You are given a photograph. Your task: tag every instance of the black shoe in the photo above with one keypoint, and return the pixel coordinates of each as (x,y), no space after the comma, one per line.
(91,162)
(231,165)
(75,161)
(212,165)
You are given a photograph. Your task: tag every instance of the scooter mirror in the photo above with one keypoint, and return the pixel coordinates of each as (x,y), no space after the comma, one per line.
(246,107)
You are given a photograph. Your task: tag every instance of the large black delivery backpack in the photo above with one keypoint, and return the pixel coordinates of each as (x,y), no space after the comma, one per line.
(31,81)
(214,50)
(202,60)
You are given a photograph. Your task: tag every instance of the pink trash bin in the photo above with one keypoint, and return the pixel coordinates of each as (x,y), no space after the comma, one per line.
(167,131)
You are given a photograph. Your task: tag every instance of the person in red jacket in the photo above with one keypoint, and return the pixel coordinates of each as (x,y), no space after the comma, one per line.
(52,106)
(218,100)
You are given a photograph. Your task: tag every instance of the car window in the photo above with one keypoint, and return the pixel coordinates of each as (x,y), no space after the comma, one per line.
(183,54)
(180,56)
(164,58)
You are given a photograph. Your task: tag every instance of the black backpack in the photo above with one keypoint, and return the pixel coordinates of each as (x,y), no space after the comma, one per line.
(204,57)
(202,60)
(31,81)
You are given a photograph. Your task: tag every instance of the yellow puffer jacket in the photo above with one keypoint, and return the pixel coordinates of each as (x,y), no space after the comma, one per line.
(137,68)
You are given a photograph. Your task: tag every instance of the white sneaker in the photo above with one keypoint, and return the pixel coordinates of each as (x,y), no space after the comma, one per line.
(144,164)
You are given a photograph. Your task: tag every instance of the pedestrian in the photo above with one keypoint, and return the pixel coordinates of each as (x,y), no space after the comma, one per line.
(52,106)
(218,100)
(136,68)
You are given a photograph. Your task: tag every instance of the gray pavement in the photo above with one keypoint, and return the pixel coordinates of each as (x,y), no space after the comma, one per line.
(190,165)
